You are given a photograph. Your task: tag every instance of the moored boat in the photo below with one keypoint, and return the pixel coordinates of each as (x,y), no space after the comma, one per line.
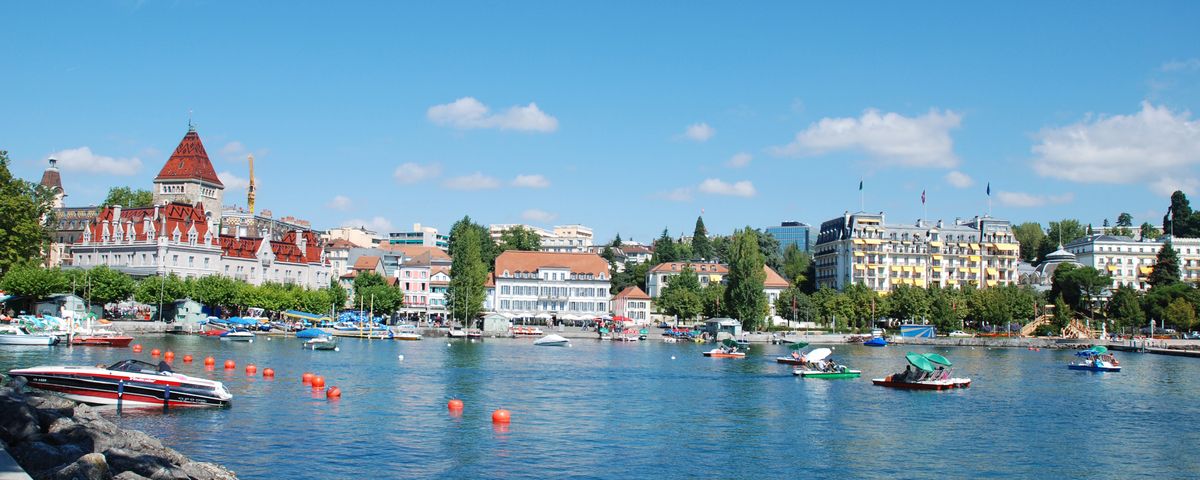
(526,331)
(321,343)
(875,342)
(17,335)
(238,335)
(367,334)
(132,382)
(552,340)
(926,376)
(309,333)
(102,340)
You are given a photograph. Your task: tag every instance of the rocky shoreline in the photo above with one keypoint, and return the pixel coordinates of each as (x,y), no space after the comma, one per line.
(57,439)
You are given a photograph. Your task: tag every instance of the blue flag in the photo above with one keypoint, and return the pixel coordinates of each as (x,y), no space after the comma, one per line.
(989,189)
(860,185)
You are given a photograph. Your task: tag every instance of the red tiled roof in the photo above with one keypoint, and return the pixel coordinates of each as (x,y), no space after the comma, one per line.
(245,247)
(341,243)
(312,249)
(635,250)
(366,262)
(491,281)
(773,279)
(51,178)
(175,215)
(415,251)
(633,292)
(700,268)
(513,261)
(189,161)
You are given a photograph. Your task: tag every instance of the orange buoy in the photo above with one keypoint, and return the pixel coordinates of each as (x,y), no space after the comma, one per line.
(209,361)
(187,359)
(168,355)
(306,378)
(268,373)
(155,353)
(318,381)
(501,416)
(333,392)
(454,404)
(230,365)
(137,348)
(251,369)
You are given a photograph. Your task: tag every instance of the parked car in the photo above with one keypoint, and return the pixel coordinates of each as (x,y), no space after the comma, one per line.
(959,333)
(1192,336)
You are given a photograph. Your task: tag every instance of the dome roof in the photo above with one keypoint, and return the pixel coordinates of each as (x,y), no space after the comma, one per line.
(1059,255)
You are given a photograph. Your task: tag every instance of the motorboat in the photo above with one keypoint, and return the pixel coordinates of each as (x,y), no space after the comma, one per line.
(129,382)
(367,334)
(17,335)
(456,333)
(526,331)
(321,343)
(728,349)
(926,376)
(552,340)
(102,340)
(816,364)
(310,333)
(475,334)
(875,342)
(238,335)
(1096,359)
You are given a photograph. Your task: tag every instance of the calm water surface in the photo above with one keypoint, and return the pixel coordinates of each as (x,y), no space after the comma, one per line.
(616,410)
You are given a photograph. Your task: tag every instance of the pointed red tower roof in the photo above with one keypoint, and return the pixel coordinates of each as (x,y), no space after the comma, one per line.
(189,161)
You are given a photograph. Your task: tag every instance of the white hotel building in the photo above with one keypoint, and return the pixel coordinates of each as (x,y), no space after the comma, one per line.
(563,286)
(1129,262)
(563,239)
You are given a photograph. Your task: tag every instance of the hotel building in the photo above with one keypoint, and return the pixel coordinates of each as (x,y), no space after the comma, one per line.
(566,286)
(1129,262)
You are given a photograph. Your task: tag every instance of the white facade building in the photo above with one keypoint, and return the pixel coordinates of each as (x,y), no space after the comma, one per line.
(563,239)
(1129,262)
(563,286)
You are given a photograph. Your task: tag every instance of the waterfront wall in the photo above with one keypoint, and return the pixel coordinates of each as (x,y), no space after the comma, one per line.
(57,439)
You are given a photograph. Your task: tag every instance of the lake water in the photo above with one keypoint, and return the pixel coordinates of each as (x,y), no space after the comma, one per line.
(619,410)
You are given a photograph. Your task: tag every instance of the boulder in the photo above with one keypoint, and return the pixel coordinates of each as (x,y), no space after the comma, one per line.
(18,421)
(146,465)
(207,471)
(45,400)
(39,456)
(88,467)
(128,476)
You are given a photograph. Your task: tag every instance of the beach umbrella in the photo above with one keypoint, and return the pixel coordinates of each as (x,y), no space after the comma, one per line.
(797,345)
(919,361)
(729,342)
(1100,349)
(938,359)
(818,354)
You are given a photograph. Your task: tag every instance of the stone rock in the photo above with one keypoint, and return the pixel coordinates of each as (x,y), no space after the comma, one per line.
(207,471)
(39,400)
(146,465)
(88,467)
(18,421)
(41,457)
(60,425)
(129,476)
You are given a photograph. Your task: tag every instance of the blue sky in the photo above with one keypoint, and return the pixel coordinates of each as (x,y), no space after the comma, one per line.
(628,117)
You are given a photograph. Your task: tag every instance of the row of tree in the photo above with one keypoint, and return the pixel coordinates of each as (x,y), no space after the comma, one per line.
(740,297)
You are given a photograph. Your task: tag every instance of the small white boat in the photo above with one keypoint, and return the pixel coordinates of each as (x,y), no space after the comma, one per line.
(238,336)
(321,343)
(15,335)
(552,340)
(456,333)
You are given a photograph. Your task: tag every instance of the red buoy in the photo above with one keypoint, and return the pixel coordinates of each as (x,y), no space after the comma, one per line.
(251,369)
(306,378)
(333,392)
(268,373)
(137,348)
(230,365)
(155,353)
(187,359)
(318,382)
(501,416)
(454,405)
(169,355)
(209,361)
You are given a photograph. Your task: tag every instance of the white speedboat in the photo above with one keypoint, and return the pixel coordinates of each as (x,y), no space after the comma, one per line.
(238,335)
(456,333)
(321,343)
(16,335)
(552,340)
(132,382)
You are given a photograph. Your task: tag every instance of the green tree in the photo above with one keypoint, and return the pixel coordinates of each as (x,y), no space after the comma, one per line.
(1183,222)
(795,265)
(1079,286)
(1125,308)
(720,247)
(1030,235)
(25,218)
(218,291)
(682,297)
(520,238)
(770,248)
(1157,299)
(106,285)
(664,249)
(1123,227)
(468,274)
(744,296)
(1149,231)
(1166,267)
(1062,314)
(1061,232)
(368,279)
(488,249)
(1124,220)
(701,247)
(1181,314)
(337,295)
(795,306)
(169,288)
(909,304)
(383,299)
(942,310)
(128,198)
(713,296)
(34,281)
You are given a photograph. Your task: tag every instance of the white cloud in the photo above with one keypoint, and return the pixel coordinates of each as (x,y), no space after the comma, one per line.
(375,224)
(82,159)
(531,181)
(414,172)
(699,132)
(739,160)
(682,194)
(237,151)
(234,182)
(1154,144)
(468,113)
(232,148)
(893,139)
(959,179)
(718,187)
(474,181)
(1021,199)
(1181,65)
(535,215)
(340,202)
(1168,185)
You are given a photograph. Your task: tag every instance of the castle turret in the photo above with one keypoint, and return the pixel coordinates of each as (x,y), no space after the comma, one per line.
(53,179)
(188,177)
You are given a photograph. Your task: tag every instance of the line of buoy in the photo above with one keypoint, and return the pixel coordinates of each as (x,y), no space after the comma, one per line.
(209,361)
(306,378)
(318,382)
(137,348)
(169,356)
(230,365)
(333,393)
(268,373)
(251,369)
(155,353)
(501,416)
(187,359)
(454,405)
